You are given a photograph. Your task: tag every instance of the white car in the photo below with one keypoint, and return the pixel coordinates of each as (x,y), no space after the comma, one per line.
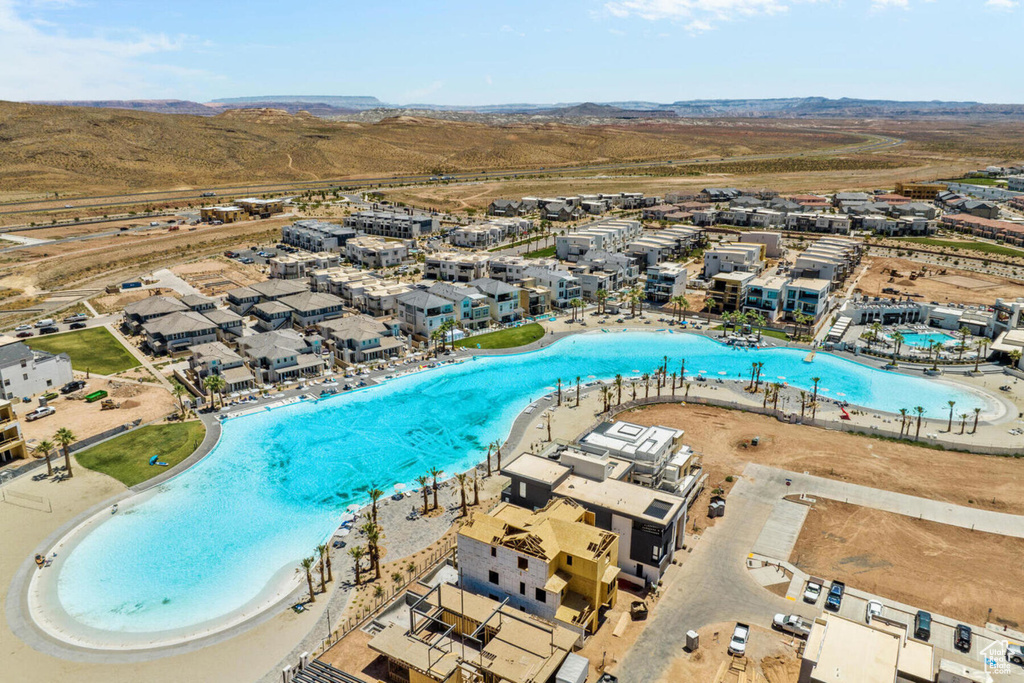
(22,328)
(812,593)
(874,610)
(41,411)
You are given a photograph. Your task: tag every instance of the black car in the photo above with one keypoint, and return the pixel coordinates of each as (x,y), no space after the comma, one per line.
(76,326)
(962,638)
(923,625)
(73,386)
(49,329)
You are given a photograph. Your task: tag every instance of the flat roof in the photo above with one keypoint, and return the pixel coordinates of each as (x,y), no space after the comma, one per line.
(536,468)
(630,500)
(842,651)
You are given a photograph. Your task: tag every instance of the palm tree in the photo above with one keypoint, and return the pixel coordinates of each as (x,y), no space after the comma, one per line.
(978,346)
(682,370)
(497,453)
(489,447)
(373,537)
(760,321)
(215,384)
(726,322)
(577,391)
(307,566)
(632,385)
(602,296)
(618,386)
(937,348)
(963,422)
(65,437)
(179,393)
(461,478)
(476,491)
(434,337)
(325,559)
(673,385)
(803,404)
(356,554)
(814,398)
(647,381)
(903,421)
(920,413)
(1015,357)
(321,550)
(874,330)
(424,482)
(577,305)
(760,367)
(680,303)
(977,412)
(964,334)
(558,383)
(606,396)
(686,396)
(42,450)
(776,390)
(435,473)
(897,342)
(949,427)
(375,494)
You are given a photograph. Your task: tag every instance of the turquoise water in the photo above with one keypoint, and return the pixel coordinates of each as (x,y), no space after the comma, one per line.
(926,340)
(275,485)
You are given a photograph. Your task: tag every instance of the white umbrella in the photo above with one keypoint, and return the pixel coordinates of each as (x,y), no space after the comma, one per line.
(342,532)
(354,507)
(722,372)
(399,487)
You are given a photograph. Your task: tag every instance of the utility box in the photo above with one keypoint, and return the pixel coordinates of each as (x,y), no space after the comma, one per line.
(573,670)
(692,641)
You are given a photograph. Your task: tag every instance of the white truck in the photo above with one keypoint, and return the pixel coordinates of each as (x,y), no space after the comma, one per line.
(792,623)
(813,591)
(738,643)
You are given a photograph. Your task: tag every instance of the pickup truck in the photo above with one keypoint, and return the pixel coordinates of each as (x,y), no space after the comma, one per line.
(812,593)
(41,411)
(793,623)
(738,643)
(835,596)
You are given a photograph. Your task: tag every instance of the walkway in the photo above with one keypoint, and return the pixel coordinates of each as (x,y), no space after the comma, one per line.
(139,356)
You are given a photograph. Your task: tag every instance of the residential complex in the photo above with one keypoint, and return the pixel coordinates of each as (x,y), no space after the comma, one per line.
(406,225)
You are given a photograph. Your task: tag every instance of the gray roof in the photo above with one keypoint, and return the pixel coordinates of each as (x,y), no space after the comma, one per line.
(260,345)
(154,305)
(357,327)
(14,353)
(178,322)
(272,307)
(273,289)
(193,300)
(493,287)
(243,293)
(312,301)
(215,351)
(221,316)
(452,292)
(421,298)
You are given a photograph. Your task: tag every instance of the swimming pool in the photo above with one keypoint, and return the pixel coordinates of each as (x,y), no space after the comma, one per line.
(925,340)
(206,543)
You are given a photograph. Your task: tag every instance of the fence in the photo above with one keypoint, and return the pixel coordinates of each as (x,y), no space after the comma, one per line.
(26,500)
(445,552)
(839,426)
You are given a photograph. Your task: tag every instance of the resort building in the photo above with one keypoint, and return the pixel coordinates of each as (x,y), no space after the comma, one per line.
(316,236)
(650,523)
(371,252)
(491,233)
(502,299)
(472,308)
(12,443)
(552,562)
(25,372)
(728,291)
(512,269)
(298,266)
(452,266)
(734,258)
(420,313)
(599,269)
(216,358)
(772,242)
(360,338)
(282,355)
(310,308)
(406,225)
(455,636)
(664,282)
(178,332)
(607,235)
(222,214)
(562,285)
(137,313)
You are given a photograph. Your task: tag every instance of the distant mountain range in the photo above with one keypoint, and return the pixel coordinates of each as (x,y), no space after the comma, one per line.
(330,106)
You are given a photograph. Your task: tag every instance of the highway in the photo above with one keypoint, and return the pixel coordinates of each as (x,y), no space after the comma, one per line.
(872,143)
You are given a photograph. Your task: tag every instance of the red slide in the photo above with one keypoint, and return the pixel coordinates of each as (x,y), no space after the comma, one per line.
(846,415)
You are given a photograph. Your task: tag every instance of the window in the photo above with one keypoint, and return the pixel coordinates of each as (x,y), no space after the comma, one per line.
(524,564)
(492,576)
(522,489)
(494,552)
(541,595)
(522,588)
(49,382)
(568,560)
(656,553)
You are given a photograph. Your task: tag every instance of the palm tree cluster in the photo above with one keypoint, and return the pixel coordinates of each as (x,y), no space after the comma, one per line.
(319,560)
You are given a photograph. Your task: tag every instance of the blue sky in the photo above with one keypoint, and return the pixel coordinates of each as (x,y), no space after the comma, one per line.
(499,51)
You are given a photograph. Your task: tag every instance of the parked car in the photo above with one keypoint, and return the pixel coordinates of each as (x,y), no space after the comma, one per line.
(46,322)
(923,625)
(77,317)
(1015,654)
(812,593)
(793,623)
(738,643)
(22,328)
(76,326)
(962,638)
(874,610)
(22,335)
(41,411)
(48,330)
(74,385)
(835,596)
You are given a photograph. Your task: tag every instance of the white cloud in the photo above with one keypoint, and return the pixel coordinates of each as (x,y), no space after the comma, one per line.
(890,4)
(46,63)
(698,10)
(1002,4)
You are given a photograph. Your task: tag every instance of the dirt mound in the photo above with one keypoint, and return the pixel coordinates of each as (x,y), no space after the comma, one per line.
(779,669)
(124,390)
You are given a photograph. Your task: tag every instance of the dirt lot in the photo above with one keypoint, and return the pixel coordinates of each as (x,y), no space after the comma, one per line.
(769,659)
(137,401)
(996,483)
(960,286)
(217,275)
(967,571)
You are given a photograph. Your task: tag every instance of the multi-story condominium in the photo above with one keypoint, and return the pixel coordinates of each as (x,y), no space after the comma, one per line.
(382,300)
(310,308)
(217,359)
(473,311)
(601,270)
(920,191)
(178,332)
(728,291)
(281,355)
(491,233)
(511,268)
(608,235)
(360,338)
(837,224)
(338,279)
(553,563)
(241,299)
(808,296)
(656,452)
(650,522)
(450,266)
(372,252)
(665,281)
(502,299)
(772,242)
(1012,233)
(298,266)
(315,235)
(420,313)
(401,224)
(25,372)
(137,313)
(765,296)
(734,257)
(12,443)
(563,285)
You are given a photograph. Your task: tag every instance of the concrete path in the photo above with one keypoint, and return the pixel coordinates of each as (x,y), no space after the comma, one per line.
(771,485)
(141,357)
(780,531)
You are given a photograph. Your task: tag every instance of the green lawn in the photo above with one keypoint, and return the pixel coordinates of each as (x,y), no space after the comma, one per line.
(546,252)
(126,457)
(92,350)
(991,182)
(504,339)
(984,247)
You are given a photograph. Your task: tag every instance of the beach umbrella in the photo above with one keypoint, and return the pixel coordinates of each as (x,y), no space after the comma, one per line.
(399,487)
(354,507)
